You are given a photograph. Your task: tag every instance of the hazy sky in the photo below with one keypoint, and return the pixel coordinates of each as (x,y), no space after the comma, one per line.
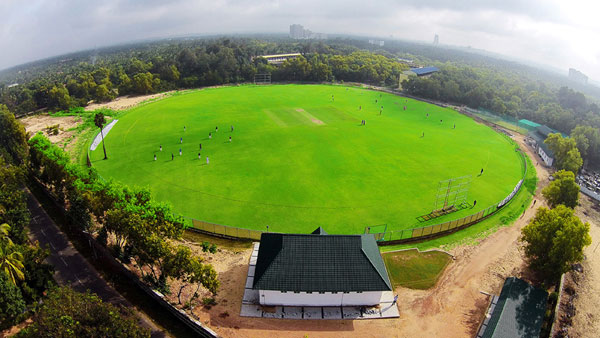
(557,33)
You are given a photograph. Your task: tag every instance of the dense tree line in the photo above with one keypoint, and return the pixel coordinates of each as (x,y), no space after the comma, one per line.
(562,108)
(24,275)
(186,65)
(134,226)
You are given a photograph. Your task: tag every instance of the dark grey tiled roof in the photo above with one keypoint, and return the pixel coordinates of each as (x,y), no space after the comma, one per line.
(519,311)
(320,263)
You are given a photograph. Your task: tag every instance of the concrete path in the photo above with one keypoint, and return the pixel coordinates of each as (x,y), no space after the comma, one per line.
(71,268)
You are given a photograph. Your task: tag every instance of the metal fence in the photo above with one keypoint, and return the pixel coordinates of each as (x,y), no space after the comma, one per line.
(387,237)
(225,230)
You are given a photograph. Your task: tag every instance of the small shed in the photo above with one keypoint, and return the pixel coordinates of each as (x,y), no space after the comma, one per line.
(319,269)
(518,312)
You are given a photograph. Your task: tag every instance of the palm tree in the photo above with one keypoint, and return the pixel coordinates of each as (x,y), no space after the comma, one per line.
(4,234)
(11,262)
(99,121)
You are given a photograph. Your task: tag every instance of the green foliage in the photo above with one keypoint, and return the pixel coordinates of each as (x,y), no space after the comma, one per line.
(39,276)
(59,98)
(554,240)
(67,313)
(140,225)
(11,302)
(588,142)
(11,262)
(562,190)
(415,270)
(565,152)
(13,139)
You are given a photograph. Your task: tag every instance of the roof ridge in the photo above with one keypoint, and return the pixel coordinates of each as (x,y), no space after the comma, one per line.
(362,249)
(255,280)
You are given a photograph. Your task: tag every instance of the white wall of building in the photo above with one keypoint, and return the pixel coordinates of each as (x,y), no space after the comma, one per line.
(269,297)
(547,159)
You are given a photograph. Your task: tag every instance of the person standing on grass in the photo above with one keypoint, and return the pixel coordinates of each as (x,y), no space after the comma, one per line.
(184,128)
(359,107)
(172,157)
(207,161)
(216,129)
(199,157)
(181,140)
(232,128)
(229,138)
(474,203)
(155,157)
(481,172)
(200,146)
(454,126)
(423,134)
(180,153)
(209,136)
(160,147)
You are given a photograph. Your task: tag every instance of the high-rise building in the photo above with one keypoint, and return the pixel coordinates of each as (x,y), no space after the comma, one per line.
(577,76)
(296,31)
(436,39)
(299,32)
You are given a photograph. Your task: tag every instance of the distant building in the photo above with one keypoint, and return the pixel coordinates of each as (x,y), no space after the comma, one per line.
(277,59)
(536,139)
(296,31)
(436,40)
(319,270)
(420,72)
(577,76)
(377,42)
(517,313)
(299,32)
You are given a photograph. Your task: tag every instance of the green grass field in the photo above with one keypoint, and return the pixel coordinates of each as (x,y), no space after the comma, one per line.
(299,159)
(415,270)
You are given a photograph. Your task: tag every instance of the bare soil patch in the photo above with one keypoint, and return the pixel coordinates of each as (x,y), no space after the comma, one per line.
(126,102)
(41,122)
(310,116)
(579,309)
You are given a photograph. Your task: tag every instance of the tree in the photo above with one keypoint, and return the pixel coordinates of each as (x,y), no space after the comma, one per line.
(587,139)
(67,313)
(4,234)
(11,262)
(59,97)
(13,138)
(11,301)
(565,152)
(563,190)
(554,240)
(100,121)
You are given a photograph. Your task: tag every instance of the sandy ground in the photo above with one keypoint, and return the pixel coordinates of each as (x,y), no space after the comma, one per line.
(125,102)
(40,122)
(587,284)
(454,308)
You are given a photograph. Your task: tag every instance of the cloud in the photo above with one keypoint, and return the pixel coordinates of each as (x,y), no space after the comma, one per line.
(554,32)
